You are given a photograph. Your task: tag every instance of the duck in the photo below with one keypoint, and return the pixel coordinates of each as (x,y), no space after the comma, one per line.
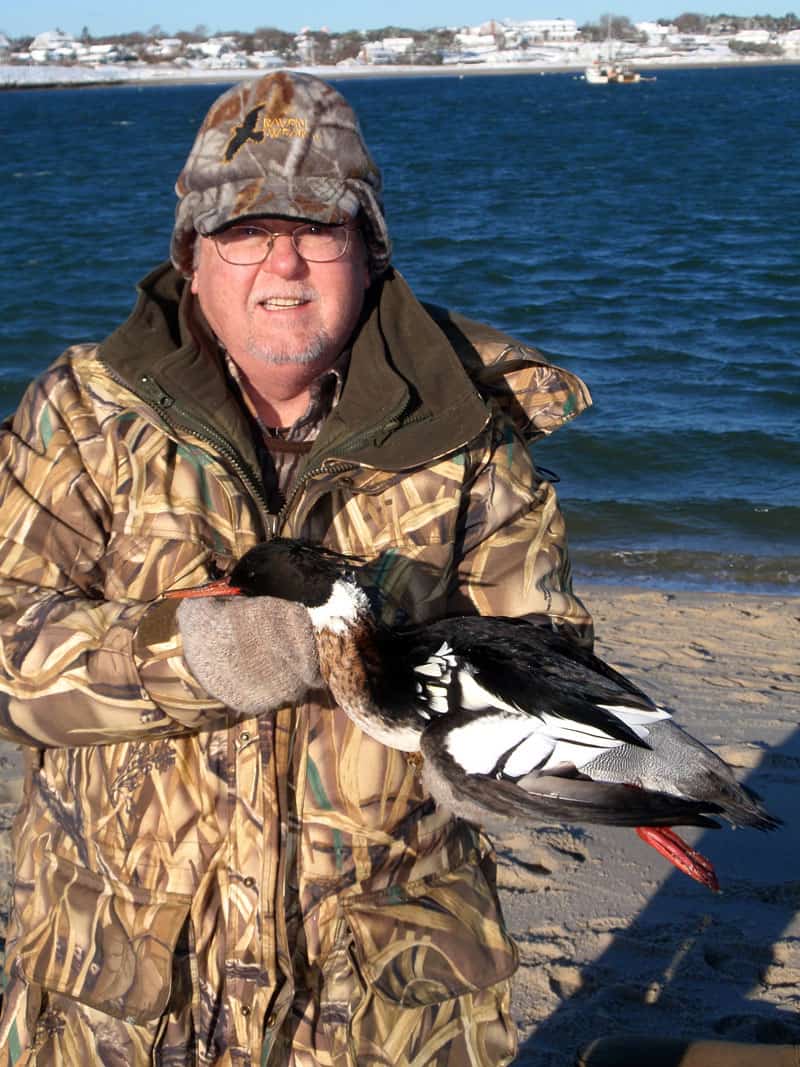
(511,723)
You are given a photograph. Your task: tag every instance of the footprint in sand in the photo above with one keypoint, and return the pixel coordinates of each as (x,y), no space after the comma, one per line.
(525,861)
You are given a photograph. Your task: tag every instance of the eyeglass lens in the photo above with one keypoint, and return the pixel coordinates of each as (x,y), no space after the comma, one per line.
(251,244)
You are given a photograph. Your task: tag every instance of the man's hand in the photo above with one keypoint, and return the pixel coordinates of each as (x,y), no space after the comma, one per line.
(254,654)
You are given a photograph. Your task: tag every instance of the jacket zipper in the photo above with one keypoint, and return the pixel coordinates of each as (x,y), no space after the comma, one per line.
(334,465)
(163,402)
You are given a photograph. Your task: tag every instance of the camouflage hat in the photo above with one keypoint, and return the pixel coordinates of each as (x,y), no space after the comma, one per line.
(286,144)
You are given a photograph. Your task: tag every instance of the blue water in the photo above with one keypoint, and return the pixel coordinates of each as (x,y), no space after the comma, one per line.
(647,237)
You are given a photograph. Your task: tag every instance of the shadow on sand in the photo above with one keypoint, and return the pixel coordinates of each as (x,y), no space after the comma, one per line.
(692,964)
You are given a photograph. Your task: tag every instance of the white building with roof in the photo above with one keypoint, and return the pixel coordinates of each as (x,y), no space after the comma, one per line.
(752,36)
(548,29)
(53,45)
(165,47)
(387,50)
(655,33)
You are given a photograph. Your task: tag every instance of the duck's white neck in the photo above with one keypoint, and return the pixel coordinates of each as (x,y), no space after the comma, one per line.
(346,606)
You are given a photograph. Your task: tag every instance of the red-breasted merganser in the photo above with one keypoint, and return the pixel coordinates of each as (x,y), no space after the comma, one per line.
(516,724)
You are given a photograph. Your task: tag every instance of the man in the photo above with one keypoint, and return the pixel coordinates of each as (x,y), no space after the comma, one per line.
(213,865)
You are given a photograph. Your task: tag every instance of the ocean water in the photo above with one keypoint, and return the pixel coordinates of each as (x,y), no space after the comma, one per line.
(647,237)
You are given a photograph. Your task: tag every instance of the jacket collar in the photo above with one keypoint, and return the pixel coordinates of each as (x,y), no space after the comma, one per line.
(410,394)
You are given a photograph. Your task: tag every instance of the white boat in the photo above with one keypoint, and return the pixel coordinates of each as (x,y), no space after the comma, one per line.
(607,72)
(610,74)
(597,74)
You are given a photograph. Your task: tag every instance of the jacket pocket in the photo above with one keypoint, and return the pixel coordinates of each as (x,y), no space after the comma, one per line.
(100,942)
(420,974)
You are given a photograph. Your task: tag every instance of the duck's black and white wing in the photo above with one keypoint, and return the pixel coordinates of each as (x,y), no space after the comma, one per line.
(513,719)
(468,786)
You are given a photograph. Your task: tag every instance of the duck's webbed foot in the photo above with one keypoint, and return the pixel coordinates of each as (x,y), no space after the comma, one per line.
(675,849)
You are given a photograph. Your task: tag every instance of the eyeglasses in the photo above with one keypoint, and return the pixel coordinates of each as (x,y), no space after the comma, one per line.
(247,243)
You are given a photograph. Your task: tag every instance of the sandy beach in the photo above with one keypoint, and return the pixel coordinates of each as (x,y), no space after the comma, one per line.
(612,939)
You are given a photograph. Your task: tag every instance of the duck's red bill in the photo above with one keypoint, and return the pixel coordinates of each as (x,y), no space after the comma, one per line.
(686,859)
(220,588)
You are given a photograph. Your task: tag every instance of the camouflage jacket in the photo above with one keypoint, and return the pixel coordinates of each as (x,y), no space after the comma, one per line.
(192,887)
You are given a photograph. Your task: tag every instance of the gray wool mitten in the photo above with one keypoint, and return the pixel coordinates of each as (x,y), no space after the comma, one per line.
(254,654)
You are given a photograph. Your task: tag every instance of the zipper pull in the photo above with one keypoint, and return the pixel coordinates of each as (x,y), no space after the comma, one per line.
(153,392)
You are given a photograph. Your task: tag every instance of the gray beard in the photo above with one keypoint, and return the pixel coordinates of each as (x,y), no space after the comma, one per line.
(284,356)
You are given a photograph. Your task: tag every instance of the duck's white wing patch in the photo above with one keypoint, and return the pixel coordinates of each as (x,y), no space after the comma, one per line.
(434,698)
(478,746)
(534,752)
(520,744)
(638,719)
(474,697)
(444,688)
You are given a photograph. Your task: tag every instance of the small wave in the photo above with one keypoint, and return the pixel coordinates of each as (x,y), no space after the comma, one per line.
(681,569)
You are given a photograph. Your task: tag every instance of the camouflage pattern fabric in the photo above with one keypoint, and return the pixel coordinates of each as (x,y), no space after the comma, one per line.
(196,889)
(285,144)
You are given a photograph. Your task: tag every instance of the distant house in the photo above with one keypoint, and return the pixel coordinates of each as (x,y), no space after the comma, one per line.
(51,40)
(552,29)
(389,50)
(5,44)
(269,59)
(752,37)
(53,45)
(215,47)
(165,47)
(100,53)
(655,32)
(476,42)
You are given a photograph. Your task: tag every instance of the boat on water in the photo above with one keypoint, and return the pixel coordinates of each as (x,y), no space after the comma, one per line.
(600,73)
(607,72)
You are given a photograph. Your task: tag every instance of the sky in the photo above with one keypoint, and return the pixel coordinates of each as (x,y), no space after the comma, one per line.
(123,16)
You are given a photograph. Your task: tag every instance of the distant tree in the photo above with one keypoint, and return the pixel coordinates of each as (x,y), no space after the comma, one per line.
(622,29)
(690,22)
(190,36)
(321,51)
(130,40)
(346,45)
(777,24)
(86,37)
(269,39)
(752,49)
(394,31)
(441,38)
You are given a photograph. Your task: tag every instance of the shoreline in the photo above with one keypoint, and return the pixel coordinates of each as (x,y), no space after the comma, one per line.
(218,76)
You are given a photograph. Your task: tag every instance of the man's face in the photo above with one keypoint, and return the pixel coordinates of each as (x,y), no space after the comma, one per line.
(285,310)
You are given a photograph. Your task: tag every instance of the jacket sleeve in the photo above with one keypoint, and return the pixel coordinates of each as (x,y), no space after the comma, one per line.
(81,662)
(513,557)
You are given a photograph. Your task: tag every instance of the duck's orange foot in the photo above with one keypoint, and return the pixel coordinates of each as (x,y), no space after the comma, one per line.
(675,849)
(415,761)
